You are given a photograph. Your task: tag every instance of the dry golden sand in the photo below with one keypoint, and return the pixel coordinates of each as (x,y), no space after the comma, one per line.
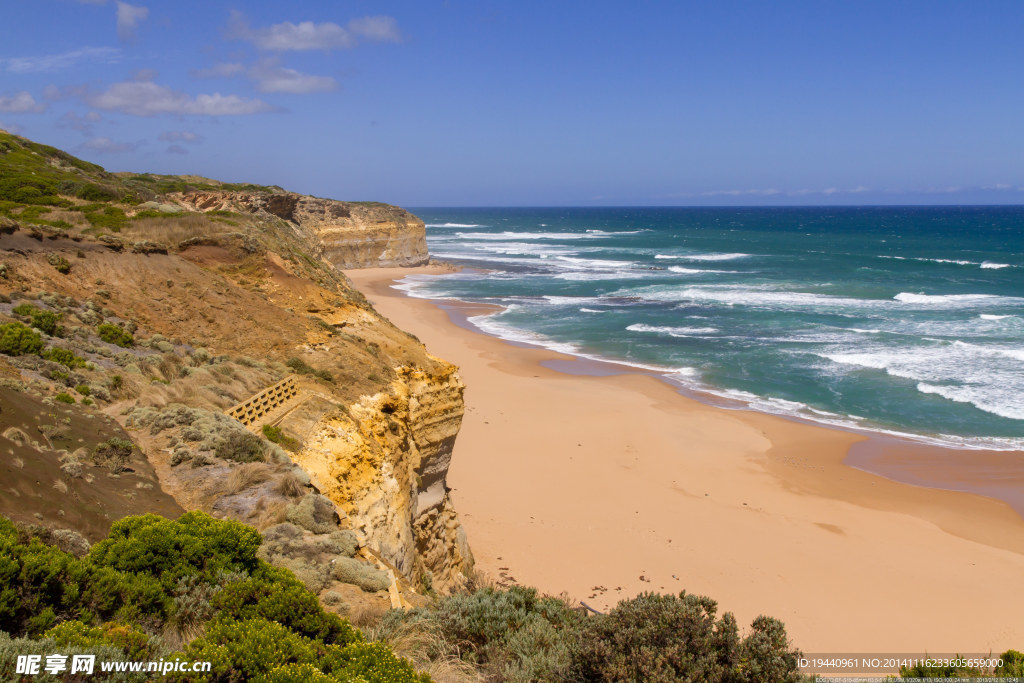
(572,482)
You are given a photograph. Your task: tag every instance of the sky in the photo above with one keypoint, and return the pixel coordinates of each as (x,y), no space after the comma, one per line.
(526,103)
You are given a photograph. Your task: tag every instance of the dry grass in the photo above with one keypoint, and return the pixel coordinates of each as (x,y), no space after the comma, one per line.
(271,514)
(289,486)
(431,653)
(18,462)
(246,476)
(60,485)
(181,227)
(366,616)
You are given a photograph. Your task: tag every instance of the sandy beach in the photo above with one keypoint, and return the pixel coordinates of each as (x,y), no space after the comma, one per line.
(607,486)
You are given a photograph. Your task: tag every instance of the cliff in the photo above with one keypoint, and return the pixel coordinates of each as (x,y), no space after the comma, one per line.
(175,298)
(347,234)
(384,462)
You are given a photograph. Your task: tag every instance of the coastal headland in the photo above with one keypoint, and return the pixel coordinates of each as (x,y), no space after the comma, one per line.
(605,484)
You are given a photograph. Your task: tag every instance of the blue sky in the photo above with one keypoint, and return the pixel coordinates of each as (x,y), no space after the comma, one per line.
(469,102)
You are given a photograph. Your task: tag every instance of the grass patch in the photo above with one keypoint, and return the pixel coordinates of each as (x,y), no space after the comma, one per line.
(113,334)
(275,435)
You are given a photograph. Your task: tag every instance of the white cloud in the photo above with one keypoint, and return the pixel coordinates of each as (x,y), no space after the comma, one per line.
(309,35)
(108,146)
(269,77)
(222,70)
(63,60)
(82,124)
(128,19)
(181,136)
(379,29)
(10,127)
(177,149)
(20,103)
(150,99)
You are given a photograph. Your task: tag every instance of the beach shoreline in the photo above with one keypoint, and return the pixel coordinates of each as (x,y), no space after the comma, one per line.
(605,485)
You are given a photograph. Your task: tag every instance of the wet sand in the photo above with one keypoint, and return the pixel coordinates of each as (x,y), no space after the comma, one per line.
(605,482)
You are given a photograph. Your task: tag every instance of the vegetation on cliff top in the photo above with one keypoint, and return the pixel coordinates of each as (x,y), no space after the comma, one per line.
(191,589)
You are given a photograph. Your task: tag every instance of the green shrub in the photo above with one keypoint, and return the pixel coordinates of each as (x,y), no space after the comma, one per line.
(241,446)
(17,339)
(109,217)
(41,585)
(62,265)
(44,321)
(300,366)
(276,595)
(168,550)
(64,357)
(668,638)
(114,453)
(261,650)
(65,397)
(83,389)
(124,637)
(512,634)
(113,334)
(275,435)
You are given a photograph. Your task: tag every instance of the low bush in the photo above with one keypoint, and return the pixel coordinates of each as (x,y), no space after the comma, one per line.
(357,573)
(114,334)
(44,321)
(61,264)
(275,435)
(17,339)
(241,446)
(65,357)
(64,397)
(105,216)
(113,453)
(668,638)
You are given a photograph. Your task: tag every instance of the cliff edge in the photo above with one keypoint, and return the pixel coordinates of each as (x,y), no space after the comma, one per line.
(347,234)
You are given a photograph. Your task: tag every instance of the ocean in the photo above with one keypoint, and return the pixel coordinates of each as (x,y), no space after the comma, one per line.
(904,320)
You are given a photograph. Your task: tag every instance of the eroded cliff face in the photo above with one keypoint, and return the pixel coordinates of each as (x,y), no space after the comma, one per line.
(384,462)
(347,234)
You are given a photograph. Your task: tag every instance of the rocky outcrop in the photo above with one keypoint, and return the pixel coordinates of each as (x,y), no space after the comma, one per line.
(384,462)
(348,234)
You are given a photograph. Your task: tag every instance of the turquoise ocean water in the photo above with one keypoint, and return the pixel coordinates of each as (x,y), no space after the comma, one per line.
(907,320)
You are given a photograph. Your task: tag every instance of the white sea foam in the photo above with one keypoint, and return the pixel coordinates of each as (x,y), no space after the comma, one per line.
(958,262)
(982,398)
(672,331)
(591,310)
(732,295)
(947,299)
(714,257)
(609,233)
(509,235)
(697,271)
(988,377)
(455,225)
(701,257)
(995,266)
(491,324)
(989,316)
